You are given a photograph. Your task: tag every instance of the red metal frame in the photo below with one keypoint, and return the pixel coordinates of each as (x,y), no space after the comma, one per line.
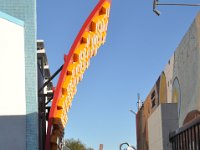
(67,59)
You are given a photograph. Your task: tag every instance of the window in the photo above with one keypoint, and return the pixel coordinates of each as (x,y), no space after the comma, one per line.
(153,100)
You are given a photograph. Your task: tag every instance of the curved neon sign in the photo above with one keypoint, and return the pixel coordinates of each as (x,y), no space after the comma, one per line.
(91,36)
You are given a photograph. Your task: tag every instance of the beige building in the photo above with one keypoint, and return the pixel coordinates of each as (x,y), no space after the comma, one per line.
(173,105)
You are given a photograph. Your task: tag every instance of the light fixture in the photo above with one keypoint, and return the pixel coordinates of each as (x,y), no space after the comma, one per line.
(157,12)
(155,3)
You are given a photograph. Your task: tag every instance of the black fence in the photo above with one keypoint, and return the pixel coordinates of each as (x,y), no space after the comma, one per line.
(186,137)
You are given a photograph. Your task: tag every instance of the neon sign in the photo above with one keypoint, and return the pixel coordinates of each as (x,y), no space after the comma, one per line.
(91,36)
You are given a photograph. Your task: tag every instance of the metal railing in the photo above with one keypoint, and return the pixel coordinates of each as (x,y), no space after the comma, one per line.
(186,137)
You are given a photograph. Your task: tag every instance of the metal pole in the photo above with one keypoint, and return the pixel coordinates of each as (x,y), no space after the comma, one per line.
(133,112)
(177,4)
(49,80)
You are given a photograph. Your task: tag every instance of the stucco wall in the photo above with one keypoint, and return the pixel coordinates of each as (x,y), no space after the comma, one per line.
(187,70)
(168,71)
(162,121)
(142,116)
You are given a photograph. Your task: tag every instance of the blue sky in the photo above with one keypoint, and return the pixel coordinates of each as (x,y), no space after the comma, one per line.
(138,46)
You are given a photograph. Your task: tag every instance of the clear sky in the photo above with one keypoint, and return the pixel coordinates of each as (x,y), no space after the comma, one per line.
(138,46)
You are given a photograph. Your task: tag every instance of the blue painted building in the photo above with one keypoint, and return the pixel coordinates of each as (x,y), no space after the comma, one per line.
(18,79)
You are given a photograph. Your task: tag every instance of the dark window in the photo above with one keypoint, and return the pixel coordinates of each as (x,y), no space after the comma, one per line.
(153,94)
(153,101)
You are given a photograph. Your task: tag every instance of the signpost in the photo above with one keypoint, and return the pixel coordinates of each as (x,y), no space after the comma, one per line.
(91,36)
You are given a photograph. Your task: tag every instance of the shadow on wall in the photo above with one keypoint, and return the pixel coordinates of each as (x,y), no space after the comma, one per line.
(32,135)
(13,131)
